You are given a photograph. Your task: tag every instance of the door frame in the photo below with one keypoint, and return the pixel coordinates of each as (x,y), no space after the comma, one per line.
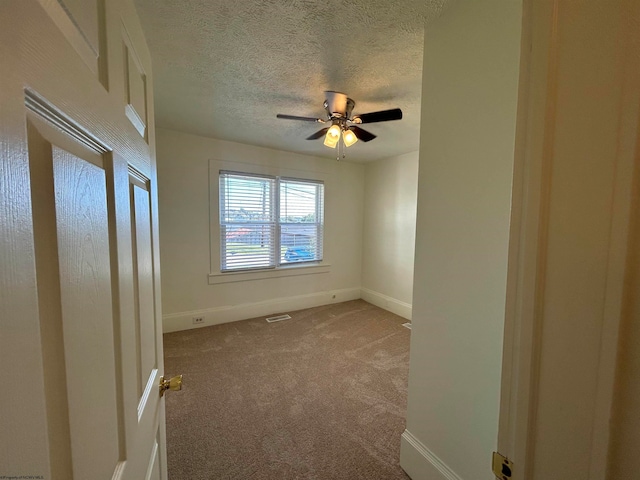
(538,108)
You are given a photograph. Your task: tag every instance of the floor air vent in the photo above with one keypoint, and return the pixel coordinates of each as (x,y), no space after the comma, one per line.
(279,318)
(408,325)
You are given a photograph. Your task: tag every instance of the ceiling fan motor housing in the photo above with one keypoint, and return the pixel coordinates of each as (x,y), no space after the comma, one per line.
(338,105)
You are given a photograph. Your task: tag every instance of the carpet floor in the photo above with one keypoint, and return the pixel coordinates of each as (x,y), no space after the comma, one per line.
(321,396)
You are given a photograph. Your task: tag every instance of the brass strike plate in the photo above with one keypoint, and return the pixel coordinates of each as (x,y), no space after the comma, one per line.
(502,466)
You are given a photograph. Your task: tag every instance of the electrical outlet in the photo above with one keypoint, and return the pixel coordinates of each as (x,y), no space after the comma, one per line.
(197,320)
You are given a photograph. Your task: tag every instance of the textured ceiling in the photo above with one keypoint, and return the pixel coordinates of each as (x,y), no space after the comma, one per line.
(225,68)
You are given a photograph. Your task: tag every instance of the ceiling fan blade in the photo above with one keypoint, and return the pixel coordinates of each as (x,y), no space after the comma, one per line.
(381,116)
(318,134)
(362,134)
(304,119)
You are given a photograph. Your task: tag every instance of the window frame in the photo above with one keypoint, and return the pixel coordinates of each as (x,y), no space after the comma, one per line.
(276,248)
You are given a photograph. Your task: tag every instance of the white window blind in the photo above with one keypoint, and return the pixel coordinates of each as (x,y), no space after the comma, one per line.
(301,220)
(266,222)
(247,221)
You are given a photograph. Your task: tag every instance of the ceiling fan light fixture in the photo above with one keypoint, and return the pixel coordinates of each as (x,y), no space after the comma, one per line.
(343,126)
(349,137)
(332,137)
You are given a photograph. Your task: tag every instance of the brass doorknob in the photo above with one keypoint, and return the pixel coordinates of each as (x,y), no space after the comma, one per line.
(174,384)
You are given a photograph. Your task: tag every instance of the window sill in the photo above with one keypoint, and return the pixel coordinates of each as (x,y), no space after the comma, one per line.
(288,271)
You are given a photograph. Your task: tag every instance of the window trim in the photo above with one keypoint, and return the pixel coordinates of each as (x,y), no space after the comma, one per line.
(273,271)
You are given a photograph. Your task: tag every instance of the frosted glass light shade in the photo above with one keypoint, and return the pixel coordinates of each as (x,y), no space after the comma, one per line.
(349,137)
(332,136)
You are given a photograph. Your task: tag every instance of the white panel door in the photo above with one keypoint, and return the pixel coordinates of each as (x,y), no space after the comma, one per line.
(79,278)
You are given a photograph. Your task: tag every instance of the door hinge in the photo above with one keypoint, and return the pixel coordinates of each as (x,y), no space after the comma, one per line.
(502,466)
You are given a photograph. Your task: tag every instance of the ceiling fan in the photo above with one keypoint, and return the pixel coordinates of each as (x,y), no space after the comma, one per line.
(343,124)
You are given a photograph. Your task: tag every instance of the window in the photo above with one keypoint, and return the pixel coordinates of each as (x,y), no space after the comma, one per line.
(267,222)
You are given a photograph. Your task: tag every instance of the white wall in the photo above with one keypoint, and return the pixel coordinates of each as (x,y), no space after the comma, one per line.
(390,198)
(183,172)
(469,97)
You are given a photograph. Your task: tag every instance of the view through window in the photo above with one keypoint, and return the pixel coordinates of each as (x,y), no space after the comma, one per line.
(267,222)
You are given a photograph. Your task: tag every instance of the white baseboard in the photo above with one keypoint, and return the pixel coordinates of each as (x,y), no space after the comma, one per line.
(388,303)
(230,313)
(420,463)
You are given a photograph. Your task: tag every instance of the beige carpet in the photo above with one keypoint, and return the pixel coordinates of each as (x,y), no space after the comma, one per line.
(321,396)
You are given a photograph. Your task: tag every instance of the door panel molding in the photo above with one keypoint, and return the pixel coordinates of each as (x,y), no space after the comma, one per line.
(135,85)
(138,178)
(72,240)
(80,40)
(51,114)
(153,470)
(48,287)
